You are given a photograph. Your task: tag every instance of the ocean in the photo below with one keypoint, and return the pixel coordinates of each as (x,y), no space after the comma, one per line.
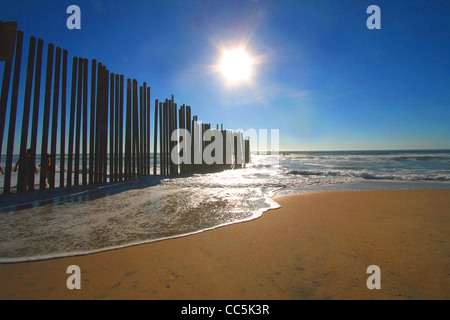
(82,220)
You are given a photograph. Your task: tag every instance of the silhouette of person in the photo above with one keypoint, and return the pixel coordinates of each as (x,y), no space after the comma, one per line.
(47,161)
(29,168)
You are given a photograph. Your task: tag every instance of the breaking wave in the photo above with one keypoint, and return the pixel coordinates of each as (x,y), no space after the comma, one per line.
(80,220)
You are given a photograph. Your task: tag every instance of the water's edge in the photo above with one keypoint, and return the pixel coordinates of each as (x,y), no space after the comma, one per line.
(273,205)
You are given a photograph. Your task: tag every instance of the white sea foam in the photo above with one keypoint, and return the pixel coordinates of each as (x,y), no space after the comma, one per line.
(81,220)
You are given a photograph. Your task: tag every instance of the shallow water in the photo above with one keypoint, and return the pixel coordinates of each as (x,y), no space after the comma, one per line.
(82,220)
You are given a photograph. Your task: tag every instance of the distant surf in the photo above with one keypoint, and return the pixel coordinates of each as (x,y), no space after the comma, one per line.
(81,220)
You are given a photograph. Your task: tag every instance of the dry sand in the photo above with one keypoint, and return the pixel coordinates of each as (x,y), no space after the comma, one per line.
(317,246)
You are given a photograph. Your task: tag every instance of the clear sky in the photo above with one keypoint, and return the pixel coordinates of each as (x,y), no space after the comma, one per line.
(322,77)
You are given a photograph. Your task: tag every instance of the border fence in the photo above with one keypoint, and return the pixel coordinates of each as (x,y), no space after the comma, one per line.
(96,132)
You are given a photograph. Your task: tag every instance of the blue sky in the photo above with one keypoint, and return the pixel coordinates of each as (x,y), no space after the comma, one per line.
(324,79)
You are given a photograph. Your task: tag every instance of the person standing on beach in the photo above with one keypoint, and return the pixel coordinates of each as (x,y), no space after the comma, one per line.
(47,168)
(28,167)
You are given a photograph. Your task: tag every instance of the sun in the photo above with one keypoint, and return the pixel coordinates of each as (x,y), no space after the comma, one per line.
(236,65)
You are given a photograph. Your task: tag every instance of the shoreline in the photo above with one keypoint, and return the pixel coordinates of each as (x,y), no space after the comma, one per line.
(295,252)
(74,254)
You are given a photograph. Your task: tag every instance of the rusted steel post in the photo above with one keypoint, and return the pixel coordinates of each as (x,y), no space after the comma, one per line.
(92,131)
(111,129)
(155,138)
(135,160)
(98,157)
(8,38)
(175,127)
(105,124)
(23,178)
(188,128)
(128,133)
(163,141)
(169,136)
(141,131)
(161,158)
(84,165)
(121,130)
(54,133)
(181,126)
(103,119)
(144,130)
(4,99)
(194,126)
(166,138)
(97,126)
(116,129)
(45,128)
(13,111)
(78,123)
(62,152)
(72,120)
(148,130)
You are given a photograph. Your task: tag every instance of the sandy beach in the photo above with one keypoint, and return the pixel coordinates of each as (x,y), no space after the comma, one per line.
(317,246)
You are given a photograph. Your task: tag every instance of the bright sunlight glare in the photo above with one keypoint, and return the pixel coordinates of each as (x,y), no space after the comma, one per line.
(236,65)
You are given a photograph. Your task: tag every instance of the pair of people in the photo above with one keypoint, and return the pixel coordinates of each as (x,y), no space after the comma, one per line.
(30,168)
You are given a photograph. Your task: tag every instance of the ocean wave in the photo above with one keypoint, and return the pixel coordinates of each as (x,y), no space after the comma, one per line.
(420,158)
(370,176)
(402,177)
(366,175)
(369,156)
(70,223)
(312,173)
(39,254)
(84,220)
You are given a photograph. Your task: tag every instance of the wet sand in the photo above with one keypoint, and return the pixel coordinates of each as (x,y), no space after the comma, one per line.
(317,246)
